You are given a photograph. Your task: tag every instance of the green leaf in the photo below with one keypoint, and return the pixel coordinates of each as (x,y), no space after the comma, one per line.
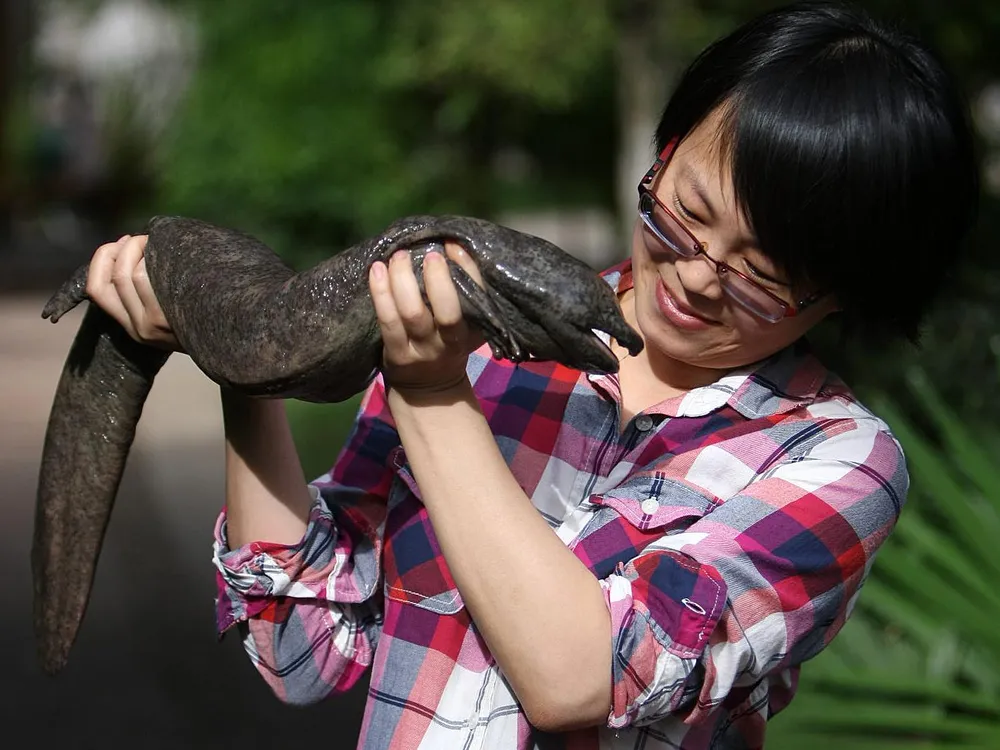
(968,452)
(872,685)
(935,473)
(930,542)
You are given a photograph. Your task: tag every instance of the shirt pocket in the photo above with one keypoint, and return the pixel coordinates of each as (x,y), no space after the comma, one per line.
(631,517)
(416,573)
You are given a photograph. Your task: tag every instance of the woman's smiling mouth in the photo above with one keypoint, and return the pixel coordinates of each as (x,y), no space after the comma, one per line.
(677,312)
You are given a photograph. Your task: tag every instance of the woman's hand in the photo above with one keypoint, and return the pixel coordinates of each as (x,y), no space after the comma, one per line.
(424,350)
(117,283)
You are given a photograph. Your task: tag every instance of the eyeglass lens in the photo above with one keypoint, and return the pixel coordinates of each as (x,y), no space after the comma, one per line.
(678,239)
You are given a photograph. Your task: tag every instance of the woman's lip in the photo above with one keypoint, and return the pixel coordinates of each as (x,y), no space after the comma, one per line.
(677,313)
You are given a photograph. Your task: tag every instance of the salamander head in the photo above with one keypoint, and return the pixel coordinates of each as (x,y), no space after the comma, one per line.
(553,303)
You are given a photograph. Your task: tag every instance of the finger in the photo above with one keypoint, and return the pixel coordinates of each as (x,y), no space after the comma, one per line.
(393,332)
(99,287)
(123,277)
(443,297)
(145,289)
(417,319)
(458,254)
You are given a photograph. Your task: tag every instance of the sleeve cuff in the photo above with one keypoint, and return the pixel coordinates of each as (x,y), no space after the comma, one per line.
(664,607)
(252,577)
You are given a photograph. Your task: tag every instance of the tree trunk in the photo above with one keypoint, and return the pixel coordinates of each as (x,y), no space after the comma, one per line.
(14,37)
(648,65)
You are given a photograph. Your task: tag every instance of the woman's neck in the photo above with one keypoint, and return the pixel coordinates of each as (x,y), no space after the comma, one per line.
(652,377)
(644,383)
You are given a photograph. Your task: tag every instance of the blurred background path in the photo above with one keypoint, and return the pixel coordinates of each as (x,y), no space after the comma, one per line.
(147,671)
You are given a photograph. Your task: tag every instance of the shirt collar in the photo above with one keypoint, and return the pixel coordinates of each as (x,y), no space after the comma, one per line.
(785,381)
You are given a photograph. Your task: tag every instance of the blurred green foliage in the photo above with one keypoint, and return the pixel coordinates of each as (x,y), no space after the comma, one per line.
(320,431)
(314,124)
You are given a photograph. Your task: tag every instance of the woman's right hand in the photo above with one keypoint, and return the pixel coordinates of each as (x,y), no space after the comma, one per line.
(117,282)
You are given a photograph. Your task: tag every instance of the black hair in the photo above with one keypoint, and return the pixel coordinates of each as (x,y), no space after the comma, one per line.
(852,155)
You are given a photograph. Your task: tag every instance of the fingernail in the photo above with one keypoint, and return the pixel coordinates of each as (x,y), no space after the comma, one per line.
(433,256)
(401,255)
(378,270)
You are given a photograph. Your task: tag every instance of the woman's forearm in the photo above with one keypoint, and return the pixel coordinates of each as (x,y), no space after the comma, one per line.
(540,609)
(267,498)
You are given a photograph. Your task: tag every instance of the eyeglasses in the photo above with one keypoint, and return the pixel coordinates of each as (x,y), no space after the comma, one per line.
(672,233)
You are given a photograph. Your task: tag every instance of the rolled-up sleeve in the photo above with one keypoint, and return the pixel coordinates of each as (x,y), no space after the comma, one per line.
(308,613)
(757,585)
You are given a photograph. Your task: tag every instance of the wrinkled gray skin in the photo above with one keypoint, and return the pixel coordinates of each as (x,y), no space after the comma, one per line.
(253,325)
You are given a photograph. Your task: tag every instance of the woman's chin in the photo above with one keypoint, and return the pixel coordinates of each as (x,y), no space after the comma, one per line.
(667,340)
(700,348)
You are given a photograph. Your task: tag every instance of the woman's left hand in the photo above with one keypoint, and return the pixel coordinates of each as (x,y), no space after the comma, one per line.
(424,350)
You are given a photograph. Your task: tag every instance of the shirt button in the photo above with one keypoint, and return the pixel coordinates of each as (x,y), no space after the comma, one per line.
(650,505)
(643,423)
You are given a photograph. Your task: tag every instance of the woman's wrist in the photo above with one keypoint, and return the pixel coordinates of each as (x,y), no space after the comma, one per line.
(440,393)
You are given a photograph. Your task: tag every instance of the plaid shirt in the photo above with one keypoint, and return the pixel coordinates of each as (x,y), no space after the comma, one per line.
(731,529)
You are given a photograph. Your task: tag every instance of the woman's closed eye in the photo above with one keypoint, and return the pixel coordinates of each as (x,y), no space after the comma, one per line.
(684,212)
(754,271)
(762,276)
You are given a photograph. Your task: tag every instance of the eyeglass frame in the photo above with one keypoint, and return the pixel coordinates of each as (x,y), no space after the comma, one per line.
(701,248)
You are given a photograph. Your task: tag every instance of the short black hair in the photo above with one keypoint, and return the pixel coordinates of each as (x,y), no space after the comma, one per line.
(852,153)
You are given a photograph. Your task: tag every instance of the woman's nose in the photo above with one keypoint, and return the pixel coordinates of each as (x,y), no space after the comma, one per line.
(698,275)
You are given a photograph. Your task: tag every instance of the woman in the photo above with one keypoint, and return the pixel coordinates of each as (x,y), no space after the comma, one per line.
(529,555)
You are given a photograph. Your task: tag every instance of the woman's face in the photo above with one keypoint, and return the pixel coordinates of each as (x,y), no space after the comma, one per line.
(680,306)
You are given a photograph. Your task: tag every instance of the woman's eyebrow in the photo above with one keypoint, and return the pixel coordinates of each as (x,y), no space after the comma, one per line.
(691,177)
